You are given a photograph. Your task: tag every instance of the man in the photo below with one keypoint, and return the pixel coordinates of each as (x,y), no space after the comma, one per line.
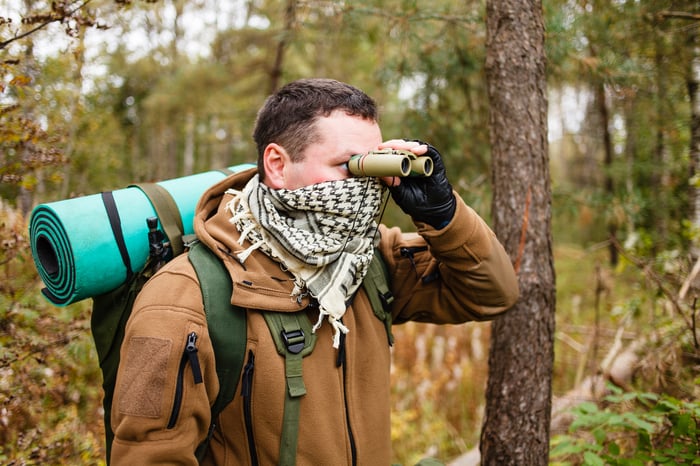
(298,234)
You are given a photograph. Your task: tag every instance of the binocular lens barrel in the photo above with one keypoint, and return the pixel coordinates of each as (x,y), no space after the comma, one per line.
(390,163)
(422,166)
(379,165)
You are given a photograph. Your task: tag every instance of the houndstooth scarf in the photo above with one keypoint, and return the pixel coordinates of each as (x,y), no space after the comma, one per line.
(323,234)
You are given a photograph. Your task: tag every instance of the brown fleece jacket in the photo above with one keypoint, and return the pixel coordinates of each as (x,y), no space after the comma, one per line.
(453,275)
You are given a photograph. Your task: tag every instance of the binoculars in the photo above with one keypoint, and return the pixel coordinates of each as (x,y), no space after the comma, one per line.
(390,162)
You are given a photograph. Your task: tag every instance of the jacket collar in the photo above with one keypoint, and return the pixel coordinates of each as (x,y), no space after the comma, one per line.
(260,282)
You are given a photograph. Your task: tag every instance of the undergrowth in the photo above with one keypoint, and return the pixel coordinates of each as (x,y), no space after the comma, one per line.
(50,384)
(634,428)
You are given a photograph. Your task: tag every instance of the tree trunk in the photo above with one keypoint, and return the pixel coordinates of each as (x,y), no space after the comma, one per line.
(75,111)
(694,93)
(661,175)
(518,393)
(289,24)
(604,114)
(188,154)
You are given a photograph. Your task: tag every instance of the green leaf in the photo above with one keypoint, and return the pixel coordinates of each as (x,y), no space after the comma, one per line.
(616,420)
(682,424)
(599,435)
(570,446)
(587,407)
(638,422)
(643,441)
(592,459)
(653,397)
(668,404)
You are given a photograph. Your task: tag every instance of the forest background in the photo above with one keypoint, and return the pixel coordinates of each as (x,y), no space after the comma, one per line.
(98,94)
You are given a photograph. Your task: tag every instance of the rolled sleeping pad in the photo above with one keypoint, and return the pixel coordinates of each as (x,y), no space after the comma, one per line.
(74,247)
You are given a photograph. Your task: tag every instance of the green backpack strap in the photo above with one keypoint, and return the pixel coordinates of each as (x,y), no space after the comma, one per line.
(376,284)
(226,324)
(167,212)
(294,338)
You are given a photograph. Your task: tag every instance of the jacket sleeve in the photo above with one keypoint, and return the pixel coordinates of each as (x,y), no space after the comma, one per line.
(161,408)
(452,275)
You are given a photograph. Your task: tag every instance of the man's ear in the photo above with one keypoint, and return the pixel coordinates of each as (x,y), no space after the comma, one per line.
(275,159)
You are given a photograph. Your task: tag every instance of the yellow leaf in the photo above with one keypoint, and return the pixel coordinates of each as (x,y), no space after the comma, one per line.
(20,80)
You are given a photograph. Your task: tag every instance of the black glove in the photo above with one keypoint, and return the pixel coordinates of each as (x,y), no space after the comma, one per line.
(427,199)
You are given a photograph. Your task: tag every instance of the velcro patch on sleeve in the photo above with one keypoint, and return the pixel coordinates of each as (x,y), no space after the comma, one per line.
(144,378)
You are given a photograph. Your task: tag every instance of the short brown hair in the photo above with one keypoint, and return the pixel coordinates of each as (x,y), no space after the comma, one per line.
(289,115)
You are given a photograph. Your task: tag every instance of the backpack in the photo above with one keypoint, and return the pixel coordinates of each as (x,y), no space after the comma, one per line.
(226,323)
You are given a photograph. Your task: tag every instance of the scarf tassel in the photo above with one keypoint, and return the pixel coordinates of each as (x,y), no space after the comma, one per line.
(338,327)
(243,255)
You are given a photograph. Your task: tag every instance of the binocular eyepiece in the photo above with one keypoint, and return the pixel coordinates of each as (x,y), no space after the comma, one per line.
(390,162)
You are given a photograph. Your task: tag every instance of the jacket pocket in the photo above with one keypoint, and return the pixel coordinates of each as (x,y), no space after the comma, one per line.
(247,394)
(189,355)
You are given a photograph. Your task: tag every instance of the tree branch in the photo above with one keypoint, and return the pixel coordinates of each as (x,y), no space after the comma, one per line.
(52,19)
(666,14)
(658,281)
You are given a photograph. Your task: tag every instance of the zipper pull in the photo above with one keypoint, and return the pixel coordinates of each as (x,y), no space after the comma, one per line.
(408,252)
(191,352)
(247,385)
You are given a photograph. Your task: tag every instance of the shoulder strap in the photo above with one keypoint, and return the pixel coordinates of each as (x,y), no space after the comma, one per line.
(226,324)
(167,212)
(376,284)
(294,338)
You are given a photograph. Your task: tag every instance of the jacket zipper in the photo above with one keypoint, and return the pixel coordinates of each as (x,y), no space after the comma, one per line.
(343,362)
(189,355)
(246,392)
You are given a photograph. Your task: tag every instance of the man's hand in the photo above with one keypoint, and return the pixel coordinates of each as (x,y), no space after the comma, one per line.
(426,199)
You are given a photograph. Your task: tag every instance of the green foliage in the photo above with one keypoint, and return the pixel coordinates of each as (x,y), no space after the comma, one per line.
(32,151)
(50,384)
(632,428)
(166,113)
(637,60)
(25,147)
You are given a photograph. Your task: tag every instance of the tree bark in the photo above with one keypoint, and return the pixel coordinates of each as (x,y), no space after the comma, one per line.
(277,66)
(694,94)
(604,114)
(518,393)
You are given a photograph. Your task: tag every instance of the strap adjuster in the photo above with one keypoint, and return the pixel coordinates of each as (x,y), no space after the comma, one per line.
(294,340)
(387,298)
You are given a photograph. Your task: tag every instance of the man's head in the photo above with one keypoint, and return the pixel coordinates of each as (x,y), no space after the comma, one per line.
(305,112)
